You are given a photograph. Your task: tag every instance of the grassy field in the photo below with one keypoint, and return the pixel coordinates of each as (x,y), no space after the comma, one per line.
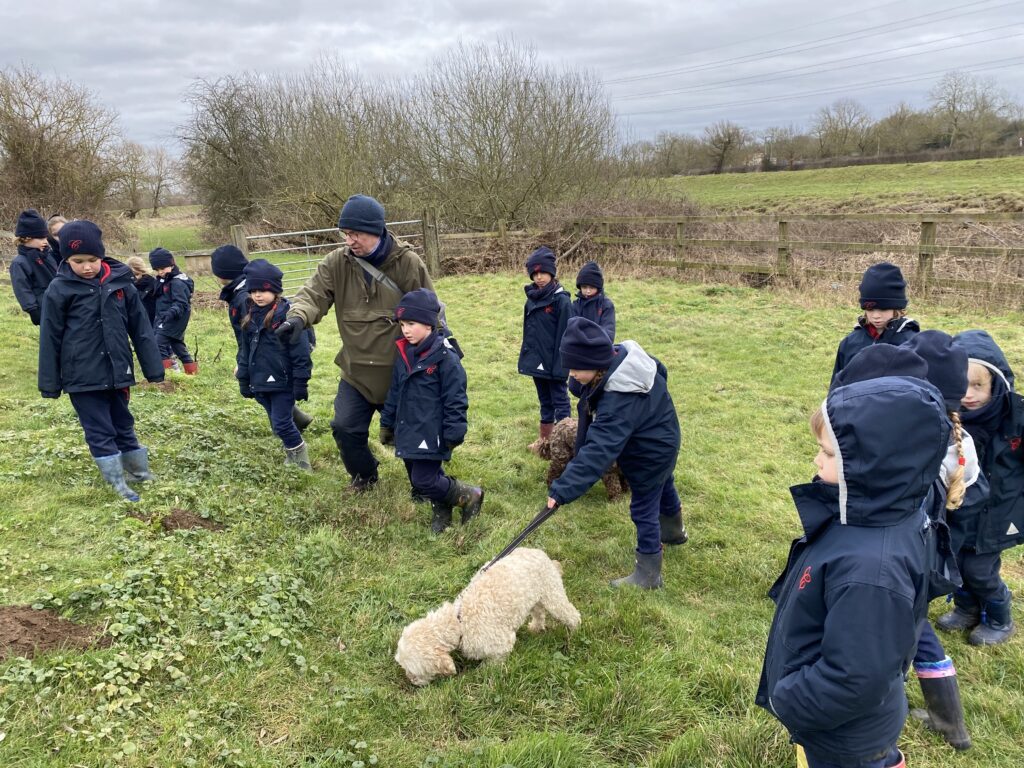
(270,643)
(178,228)
(991,185)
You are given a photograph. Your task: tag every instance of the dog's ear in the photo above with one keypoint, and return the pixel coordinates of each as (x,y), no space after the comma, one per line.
(447,665)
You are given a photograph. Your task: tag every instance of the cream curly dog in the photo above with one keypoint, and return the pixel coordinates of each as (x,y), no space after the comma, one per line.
(482,622)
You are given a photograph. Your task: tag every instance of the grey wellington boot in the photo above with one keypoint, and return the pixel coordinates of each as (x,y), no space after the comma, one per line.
(466,497)
(299,456)
(996,624)
(441,518)
(113,473)
(646,574)
(966,613)
(944,713)
(301,418)
(673,532)
(136,466)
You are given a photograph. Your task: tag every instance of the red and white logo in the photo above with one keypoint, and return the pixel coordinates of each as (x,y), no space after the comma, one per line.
(805,577)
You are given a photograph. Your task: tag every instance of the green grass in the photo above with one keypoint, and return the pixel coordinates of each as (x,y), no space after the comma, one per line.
(992,185)
(271,643)
(178,228)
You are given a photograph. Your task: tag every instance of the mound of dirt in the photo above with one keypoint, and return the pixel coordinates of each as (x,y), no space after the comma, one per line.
(207,300)
(26,632)
(182,519)
(167,385)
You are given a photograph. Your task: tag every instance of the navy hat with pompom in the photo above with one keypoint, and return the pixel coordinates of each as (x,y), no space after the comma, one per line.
(30,224)
(883,287)
(947,364)
(81,237)
(228,261)
(541,260)
(261,275)
(585,346)
(419,306)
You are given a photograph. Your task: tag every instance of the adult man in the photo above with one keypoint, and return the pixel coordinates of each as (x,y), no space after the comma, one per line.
(364,308)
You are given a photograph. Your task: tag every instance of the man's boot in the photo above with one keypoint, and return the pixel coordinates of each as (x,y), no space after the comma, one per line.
(467,498)
(360,484)
(113,473)
(191,369)
(966,613)
(673,532)
(441,516)
(299,456)
(136,465)
(537,446)
(646,574)
(301,418)
(996,624)
(943,711)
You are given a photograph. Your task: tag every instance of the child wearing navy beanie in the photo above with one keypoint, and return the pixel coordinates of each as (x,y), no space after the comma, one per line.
(34,266)
(631,419)
(548,309)
(173,310)
(883,297)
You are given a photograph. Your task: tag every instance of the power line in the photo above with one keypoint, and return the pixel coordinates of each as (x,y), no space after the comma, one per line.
(813,44)
(981,66)
(859,60)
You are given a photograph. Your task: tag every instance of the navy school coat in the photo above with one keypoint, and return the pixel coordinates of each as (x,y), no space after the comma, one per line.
(852,598)
(173,304)
(264,360)
(544,323)
(236,296)
(32,270)
(427,404)
(85,331)
(898,331)
(598,308)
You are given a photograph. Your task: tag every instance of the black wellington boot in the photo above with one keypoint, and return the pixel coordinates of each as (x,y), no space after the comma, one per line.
(441,518)
(996,624)
(673,532)
(646,574)
(944,713)
(466,497)
(966,613)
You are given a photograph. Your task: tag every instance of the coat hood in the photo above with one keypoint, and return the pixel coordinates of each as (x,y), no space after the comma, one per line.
(982,348)
(635,371)
(112,270)
(890,436)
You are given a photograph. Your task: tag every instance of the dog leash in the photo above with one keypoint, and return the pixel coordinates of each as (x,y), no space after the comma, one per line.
(532,526)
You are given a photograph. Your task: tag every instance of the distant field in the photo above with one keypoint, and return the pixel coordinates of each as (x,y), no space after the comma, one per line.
(178,228)
(993,185)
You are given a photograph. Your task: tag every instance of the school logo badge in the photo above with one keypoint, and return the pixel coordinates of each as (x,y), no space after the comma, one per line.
(266,286)
(400,311)
(1014,443)
(805,577)
(75,244)
(431,369)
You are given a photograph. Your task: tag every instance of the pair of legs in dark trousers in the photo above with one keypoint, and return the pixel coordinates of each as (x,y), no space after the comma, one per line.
(169,346)
(644,509)
(351,429)
(428,478)
(981,576)
(279,406)
(554,400)
(892,757)
(108,424)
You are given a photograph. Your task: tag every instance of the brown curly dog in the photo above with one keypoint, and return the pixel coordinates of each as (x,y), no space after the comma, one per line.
(558,450)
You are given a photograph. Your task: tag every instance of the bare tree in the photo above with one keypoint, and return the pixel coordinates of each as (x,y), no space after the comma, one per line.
(840,128)
(784,145)
(162,174)
(724,142)
(133,178)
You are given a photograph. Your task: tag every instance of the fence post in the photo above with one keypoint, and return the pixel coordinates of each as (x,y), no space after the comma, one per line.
(431,242)
(238,238)
(782,254)
(926,256)
(680,231)
(502,232)
(606,231)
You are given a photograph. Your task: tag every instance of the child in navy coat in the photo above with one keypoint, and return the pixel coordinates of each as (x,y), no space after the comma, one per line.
(883,297)
(273,370)
(591,301)
(145,284)
(34,266)
(426,407)
(854,592)
(90,312)
(548,309)
(993,413)
(630,419)
(173,309)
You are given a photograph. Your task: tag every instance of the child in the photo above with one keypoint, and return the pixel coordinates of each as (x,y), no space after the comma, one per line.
(227,263)
(855,589)
(90,311)
(54,224)
(591,301)
(173,308)
(931,355)
(274,371)
(548,309)
(34,266)
(426,409)
(630,419)
(883,297)
(145,284)
(993,413)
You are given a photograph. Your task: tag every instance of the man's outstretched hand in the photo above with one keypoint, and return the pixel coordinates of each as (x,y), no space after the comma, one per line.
(290,330)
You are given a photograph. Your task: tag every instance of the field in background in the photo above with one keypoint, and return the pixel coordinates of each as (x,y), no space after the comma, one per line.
(270,643)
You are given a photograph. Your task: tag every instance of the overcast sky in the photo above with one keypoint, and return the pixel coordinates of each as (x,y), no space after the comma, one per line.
(667,65)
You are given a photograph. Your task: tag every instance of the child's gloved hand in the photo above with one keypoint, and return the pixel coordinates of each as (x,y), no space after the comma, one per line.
(51,395)
(244,388)
(290,330)
(300,388)
(387,436)
(35,315)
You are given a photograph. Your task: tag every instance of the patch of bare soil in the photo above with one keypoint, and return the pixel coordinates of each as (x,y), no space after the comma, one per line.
(182,519)
(27,632)
(167,385)
(207,300)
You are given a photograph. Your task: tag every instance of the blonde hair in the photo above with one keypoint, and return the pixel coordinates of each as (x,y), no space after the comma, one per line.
(899,313)
(55,219)
(137,265)
(956,487)
(817,423)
